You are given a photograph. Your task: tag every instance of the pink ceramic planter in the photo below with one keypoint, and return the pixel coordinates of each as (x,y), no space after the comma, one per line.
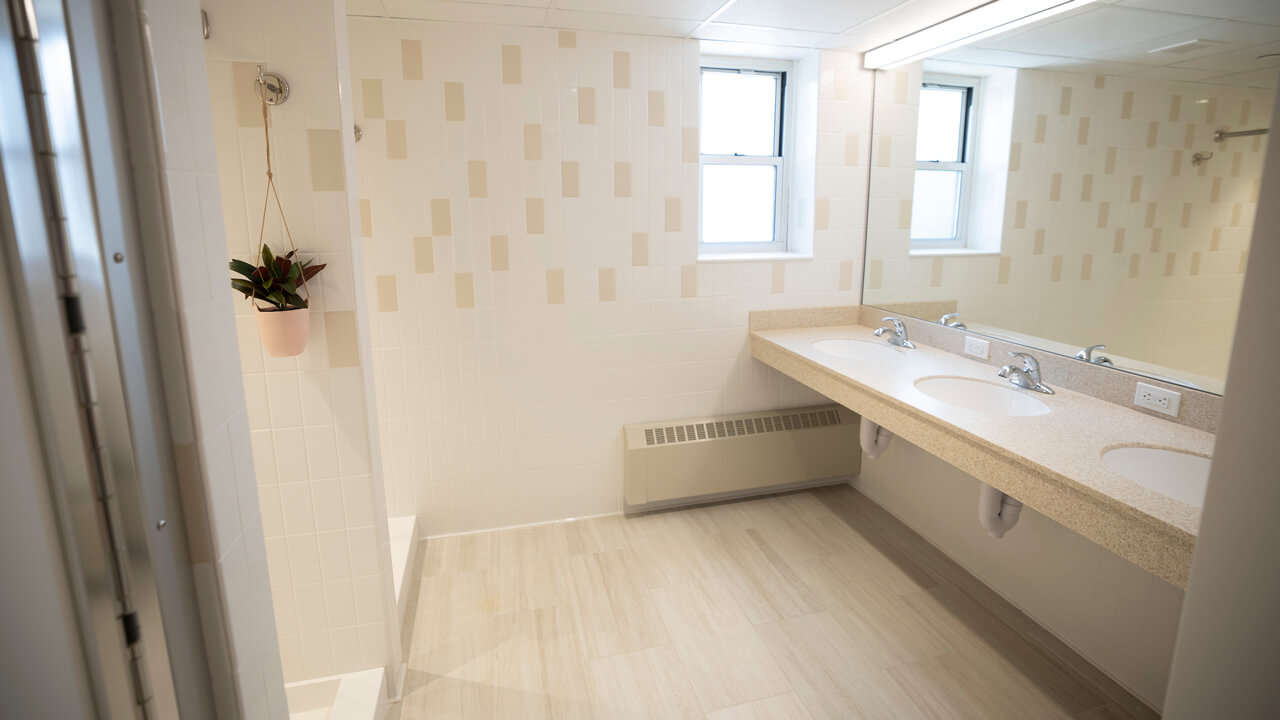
(284,332)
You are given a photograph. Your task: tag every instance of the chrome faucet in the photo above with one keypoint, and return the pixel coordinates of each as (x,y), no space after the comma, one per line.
(1087,356)
(1028,376)
(899,333)
(949,321)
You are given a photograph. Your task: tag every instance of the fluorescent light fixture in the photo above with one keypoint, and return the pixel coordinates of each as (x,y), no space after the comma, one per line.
(984,21)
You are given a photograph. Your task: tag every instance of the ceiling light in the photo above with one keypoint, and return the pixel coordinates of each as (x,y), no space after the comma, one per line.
(984,21)
(1187,46)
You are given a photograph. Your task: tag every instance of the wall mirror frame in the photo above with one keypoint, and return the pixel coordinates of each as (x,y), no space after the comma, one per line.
(1082,175)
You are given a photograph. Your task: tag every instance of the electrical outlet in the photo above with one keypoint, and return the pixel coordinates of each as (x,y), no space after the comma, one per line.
(1158,399)
(977,347)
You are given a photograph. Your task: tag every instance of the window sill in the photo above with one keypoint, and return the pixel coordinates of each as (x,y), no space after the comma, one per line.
(751,256)
(934,252)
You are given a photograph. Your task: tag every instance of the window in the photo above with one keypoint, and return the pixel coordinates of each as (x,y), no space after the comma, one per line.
(741,168)
(944,179)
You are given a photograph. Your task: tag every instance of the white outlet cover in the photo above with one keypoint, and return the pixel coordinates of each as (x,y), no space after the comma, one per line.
(1157,399)
(977,347)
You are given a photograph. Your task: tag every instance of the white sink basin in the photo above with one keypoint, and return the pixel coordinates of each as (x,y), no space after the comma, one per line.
(1179,475)
(982,396)
(862,350)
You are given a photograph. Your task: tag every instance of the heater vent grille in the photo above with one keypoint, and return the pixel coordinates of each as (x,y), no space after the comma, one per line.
(717,429)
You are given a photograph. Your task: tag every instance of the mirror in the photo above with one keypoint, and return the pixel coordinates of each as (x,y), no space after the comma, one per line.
(1064,185)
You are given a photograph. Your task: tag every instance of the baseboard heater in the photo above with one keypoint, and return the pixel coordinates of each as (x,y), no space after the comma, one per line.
(701,460)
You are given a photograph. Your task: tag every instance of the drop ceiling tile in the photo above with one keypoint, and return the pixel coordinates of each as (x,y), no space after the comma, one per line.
(1100,27)
(751,50)
(1000,58)
(1243,60)
(473,12)
(678,9)
(853,43)
(1094,67)
(1226,36)
(904,19)
(813,15)
(371,8)
(608,22)
(762,35)
(1169,72)
(1266,11)
(1265,78)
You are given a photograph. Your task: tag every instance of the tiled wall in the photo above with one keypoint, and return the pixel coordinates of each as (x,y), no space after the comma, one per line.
(529,209)
(1111,235)
(311,417)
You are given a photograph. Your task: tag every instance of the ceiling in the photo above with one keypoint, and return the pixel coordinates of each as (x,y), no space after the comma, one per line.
(1216,42)
(1111,37)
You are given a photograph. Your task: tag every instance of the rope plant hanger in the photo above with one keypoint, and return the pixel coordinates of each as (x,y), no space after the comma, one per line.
(277,285)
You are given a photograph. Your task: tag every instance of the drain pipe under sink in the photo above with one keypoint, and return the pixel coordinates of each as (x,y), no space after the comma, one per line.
(875,439)
(997,511)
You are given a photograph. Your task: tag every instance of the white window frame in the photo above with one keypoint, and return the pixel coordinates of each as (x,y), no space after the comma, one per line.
(969,152)
(782,146)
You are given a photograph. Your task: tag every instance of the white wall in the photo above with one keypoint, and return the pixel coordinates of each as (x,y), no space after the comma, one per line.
(1225,661)
(1116,615)
(527,304)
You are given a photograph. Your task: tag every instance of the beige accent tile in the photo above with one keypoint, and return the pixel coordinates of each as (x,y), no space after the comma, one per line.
(534,216)
(1055,270)
(371,91)
(1237,212)
(397,142)
(1244,261)
(586,106)
(1020,214)
(935,272)
(1135,265)
(822,214)
(608,283)
(477,179)
(387,299)
(464,291)
(688,281)
(852,149)
(327,171)
(1153,133)
(846,274)
(1236,159)
(621,70)
(1082,131)
(1211,110)
(1195,263)
(511,64)
(569,179)
(1215,239)
(532,141)
(1109,166)
(567,39)
(1150,220)
(1002,274)
(779,284)
(875,274)
(1086,188)
(1055,187)
(455,107)
(1117,243)
(1015,157)
(622,179)
(904,214)
(884,151)
(672,212)
(1064,101)
(555,287)
(1215,190)
(411,59)
(1135,189)
(1126,105)
(689,145)
(1038,248)
(1099,82)
(1086,267)
(657,108)
(639,249)
(1175,108)
(1042,127)
(499,253)
(689,150)
(424,255)
(340,335)
(441,217)
(1104,214)
(1185,221)
(1170,259)
(366,217)
(1157,235)
(244,77)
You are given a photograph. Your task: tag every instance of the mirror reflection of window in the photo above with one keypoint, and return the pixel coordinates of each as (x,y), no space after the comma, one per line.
(944,162)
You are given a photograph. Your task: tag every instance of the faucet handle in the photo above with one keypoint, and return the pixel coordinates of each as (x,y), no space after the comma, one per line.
(1087,353)
(898,327)
(947,318)
(1029,364)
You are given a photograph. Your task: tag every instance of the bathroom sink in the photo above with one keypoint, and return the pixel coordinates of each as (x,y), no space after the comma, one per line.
(863,350)
(982,396)
(1172,473)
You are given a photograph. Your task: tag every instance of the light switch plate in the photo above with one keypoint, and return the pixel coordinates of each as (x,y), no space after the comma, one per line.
(977,347)
(1158,399)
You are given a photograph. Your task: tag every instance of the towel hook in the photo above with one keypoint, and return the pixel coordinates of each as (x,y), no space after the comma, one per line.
(272,87)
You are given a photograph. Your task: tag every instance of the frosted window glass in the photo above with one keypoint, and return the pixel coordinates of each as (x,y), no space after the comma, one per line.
(941,124)
(934,204)
(738,203)
(738,114)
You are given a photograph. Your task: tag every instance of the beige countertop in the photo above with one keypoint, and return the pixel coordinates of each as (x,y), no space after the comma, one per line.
(1052,462)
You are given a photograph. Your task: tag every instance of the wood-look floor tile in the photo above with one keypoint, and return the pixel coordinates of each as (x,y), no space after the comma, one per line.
(591,535)
(642,685)
(612,603)
(766,587)
(725,660)
(778,707)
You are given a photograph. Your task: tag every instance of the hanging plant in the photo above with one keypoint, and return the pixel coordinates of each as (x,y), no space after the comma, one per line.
(280,281)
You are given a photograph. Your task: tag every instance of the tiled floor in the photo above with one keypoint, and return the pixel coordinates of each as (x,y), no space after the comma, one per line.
(809,605)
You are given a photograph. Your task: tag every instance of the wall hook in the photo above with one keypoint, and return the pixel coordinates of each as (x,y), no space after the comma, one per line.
(1199,158)
(272,87)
